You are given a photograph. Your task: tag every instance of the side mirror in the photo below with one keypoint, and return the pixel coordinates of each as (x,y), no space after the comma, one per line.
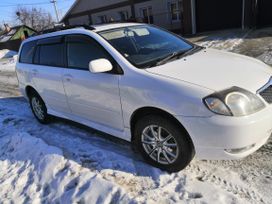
(100,66)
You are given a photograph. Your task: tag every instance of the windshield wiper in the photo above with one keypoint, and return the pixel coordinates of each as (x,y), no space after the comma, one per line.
(181,53)
(169,57)
(193,50)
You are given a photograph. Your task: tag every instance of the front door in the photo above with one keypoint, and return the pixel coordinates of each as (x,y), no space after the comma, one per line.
(91,96)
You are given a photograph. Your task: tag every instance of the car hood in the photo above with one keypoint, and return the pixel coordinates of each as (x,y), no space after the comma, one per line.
(217,70)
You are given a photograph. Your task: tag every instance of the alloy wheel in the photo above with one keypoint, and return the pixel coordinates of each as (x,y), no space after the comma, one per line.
(159,144)
(37,108)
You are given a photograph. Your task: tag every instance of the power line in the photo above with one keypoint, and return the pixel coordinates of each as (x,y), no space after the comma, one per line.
(33,4)
(30,4)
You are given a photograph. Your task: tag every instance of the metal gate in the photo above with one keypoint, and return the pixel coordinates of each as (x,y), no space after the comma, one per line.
(218,14)
(264,13)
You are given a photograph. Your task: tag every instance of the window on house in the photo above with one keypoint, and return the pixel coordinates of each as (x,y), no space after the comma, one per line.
(147,14)
(123,15)
(102,19)
(175,10)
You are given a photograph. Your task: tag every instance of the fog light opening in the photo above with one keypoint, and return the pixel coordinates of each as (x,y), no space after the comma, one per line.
(239,150)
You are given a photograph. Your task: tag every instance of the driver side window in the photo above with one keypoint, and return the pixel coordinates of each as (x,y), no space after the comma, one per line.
(81,50)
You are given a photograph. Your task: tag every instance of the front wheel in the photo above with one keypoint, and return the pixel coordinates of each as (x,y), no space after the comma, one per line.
(38,108)
(162,143)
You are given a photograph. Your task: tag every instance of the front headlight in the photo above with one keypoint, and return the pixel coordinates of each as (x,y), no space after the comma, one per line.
(234,102)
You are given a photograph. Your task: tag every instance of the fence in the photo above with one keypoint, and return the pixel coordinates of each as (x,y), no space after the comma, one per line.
(11,45)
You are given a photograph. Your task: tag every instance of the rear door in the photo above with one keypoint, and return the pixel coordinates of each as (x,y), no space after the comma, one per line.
(91,96)
(47,72)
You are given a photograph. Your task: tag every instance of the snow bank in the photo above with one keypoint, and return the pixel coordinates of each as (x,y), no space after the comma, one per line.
(8,59)
(8,65)
(32,171)
(7,53)
(266,57)
(224,41)
(221,43)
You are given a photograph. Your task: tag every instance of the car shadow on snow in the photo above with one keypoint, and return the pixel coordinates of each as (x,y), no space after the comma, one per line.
(88,147)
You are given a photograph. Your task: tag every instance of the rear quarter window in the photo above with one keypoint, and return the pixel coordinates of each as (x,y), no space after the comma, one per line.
(27,52)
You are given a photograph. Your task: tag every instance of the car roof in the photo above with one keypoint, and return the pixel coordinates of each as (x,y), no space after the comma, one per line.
(109,26)
(96,28)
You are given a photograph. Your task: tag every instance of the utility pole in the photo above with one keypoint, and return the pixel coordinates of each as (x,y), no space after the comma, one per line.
(56,10)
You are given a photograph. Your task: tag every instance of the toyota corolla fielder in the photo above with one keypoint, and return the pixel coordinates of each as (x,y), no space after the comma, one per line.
(172,99)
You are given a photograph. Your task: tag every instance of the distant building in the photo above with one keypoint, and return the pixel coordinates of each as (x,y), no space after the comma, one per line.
(12,37)
(14,33)
(184,16)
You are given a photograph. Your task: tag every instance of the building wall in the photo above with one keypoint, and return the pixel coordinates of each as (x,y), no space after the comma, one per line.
(160,12)
(79,20)
(84,5)
(20,33)
(113,13)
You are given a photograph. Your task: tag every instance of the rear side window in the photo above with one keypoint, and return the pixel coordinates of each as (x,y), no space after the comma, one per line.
(50,52)
(51,55)
(27,52)
(82,49)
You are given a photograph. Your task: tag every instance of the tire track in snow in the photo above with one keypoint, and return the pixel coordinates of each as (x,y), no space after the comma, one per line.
(204,175)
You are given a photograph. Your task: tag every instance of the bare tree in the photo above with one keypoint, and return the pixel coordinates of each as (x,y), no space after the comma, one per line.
(35,18)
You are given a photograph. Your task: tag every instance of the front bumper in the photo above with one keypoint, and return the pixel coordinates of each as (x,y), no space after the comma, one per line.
(215,137)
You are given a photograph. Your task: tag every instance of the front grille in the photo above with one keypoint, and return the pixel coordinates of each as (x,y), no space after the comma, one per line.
(267,94)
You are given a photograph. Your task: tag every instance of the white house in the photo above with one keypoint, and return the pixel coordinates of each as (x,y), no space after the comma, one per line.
(184,16)
(165,13)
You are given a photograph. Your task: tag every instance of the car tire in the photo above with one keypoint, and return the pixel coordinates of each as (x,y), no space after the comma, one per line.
(38,108)
(156,135)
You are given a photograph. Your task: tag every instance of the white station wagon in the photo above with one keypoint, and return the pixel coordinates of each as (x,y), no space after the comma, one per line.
(172,99)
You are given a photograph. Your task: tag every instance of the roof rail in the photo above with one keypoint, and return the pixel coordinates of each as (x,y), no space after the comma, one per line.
(64,27)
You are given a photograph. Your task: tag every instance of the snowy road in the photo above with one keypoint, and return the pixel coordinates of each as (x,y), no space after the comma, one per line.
(65,162)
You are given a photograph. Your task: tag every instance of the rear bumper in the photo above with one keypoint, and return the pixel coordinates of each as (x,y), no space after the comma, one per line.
(223,137)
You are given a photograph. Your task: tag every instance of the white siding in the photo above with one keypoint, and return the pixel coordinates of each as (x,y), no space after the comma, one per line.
(113,13)
(160,9)
(85,5)
(161,13)
(79,20)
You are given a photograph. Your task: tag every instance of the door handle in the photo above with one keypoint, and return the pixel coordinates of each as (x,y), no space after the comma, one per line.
(34,72)
(67,77)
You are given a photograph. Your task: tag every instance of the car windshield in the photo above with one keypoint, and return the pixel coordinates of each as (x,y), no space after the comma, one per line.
(146,46)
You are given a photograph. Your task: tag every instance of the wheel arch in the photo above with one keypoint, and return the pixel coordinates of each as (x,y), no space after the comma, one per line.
(144,111)
(29,90)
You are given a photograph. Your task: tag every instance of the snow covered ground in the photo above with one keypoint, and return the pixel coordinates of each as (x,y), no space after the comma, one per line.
(225,42)
(65,162)
(7,60)
(254,43)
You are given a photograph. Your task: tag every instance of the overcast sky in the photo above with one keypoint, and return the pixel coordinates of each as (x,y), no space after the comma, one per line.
(7,8)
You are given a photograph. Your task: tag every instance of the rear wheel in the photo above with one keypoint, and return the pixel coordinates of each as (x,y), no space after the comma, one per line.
(38,108)
(163,143)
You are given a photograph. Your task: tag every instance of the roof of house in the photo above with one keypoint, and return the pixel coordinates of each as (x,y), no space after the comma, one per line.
(5,36)
(70,9)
